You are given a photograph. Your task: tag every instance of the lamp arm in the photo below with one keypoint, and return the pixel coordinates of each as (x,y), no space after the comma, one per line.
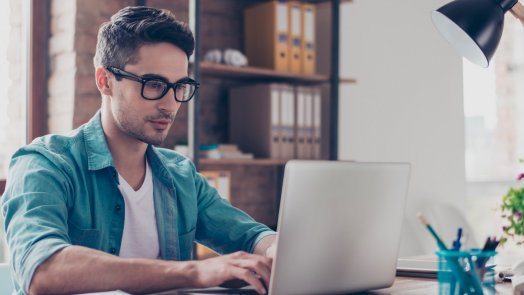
(518,11)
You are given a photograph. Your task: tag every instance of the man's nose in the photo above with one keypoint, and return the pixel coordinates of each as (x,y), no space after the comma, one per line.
(168,102)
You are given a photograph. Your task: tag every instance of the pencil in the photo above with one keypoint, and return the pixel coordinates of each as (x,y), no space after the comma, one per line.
(424,221)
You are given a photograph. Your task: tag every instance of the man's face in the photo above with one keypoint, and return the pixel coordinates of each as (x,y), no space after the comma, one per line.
(148,120)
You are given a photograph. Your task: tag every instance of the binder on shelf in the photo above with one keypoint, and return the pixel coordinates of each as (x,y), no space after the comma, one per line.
(300,141)
(317,123)
(220,180)
(295,36)
(224,184)
(287,122)
(308,150)
(308,43)
(255,119)
(275,149)
(266,35)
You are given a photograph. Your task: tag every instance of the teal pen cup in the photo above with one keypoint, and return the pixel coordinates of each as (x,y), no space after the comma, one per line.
(465,272)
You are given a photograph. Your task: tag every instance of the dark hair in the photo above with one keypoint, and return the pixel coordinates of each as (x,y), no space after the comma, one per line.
(120,38)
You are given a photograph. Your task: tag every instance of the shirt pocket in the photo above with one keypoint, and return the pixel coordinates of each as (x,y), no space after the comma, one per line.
(85,237)
(186,242)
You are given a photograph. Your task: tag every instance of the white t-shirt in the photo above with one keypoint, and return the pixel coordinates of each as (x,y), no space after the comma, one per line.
(140,237)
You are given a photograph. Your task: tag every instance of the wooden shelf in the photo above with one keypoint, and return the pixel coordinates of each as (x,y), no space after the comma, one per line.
(347,81)
(220,70)
(259,162)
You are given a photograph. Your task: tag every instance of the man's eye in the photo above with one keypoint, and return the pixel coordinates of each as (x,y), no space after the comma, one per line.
(155,84)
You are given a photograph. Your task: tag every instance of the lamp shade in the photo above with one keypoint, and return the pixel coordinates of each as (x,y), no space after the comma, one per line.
(473,27)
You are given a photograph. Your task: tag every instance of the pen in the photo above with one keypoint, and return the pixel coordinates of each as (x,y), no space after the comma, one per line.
(486,244)
(456,243)
(490,245)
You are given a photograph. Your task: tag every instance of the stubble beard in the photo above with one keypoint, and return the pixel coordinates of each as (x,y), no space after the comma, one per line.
(136,130)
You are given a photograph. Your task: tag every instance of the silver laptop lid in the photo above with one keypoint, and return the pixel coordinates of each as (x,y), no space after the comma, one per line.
(339,226)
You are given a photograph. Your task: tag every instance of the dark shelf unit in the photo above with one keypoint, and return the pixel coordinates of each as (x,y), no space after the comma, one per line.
(203,69)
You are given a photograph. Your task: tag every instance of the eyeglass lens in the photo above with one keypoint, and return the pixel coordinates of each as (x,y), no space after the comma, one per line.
(154,89)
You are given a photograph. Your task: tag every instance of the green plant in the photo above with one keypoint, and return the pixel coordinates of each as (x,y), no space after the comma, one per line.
(512,211)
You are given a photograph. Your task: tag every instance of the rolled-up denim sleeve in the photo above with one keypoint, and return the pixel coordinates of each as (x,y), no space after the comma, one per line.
(221,226)
(260,237)
(35,211)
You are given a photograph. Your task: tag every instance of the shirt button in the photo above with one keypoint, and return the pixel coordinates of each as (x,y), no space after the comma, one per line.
(112,250)
(117,208)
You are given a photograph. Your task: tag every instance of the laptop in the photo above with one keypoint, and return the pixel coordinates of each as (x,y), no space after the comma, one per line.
(338,230)
(419,266)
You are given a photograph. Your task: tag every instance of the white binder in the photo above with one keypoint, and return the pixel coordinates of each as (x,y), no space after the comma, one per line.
(287,120)
(317,123)
(309,124)
(300,142)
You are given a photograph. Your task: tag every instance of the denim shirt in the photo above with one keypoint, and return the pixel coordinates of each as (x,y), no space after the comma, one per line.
(63,190)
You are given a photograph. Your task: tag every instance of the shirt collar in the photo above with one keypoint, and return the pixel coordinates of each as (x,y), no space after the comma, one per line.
(157,165)
(98,154)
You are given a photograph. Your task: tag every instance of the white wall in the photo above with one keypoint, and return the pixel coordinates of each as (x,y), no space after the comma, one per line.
(407,104)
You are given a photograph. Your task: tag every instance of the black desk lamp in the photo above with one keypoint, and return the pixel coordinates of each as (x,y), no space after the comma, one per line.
(474,27)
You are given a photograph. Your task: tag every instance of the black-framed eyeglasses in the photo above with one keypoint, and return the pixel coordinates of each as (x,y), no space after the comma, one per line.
(155,87)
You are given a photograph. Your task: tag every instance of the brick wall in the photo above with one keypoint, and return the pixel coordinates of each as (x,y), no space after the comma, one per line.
(73,96)
(15,135)
(62,63)
(16,106)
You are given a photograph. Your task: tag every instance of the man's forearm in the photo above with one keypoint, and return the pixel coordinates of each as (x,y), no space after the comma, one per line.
(77,269)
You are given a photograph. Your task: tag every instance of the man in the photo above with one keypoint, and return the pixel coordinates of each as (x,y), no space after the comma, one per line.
(102,208)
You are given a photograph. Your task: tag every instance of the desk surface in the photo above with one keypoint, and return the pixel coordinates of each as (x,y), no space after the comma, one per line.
(406,286)
(419,286)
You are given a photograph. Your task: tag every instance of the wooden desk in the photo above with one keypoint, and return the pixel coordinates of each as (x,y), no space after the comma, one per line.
(402,286)
(419,286)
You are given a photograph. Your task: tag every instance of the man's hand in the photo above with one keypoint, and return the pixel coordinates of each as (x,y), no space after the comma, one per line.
(252,268)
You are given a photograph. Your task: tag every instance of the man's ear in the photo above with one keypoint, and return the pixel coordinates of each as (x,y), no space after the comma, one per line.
(103,82)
